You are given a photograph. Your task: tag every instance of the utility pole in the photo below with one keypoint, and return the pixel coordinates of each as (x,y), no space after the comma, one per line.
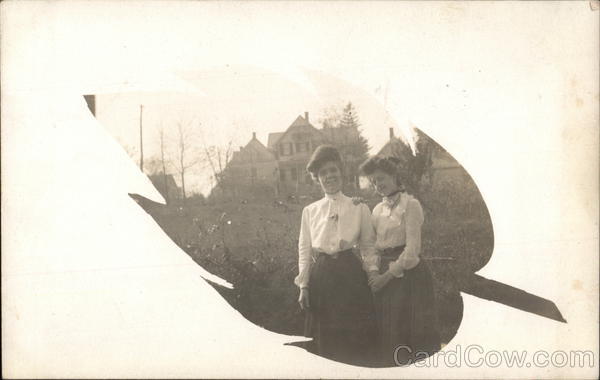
(141,141)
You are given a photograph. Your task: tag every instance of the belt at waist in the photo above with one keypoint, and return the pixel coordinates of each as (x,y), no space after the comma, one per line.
(392,252)
(335,255)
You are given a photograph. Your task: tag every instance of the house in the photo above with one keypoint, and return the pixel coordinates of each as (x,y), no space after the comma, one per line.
(253,164)
(292,149)
(431,161)
(166,186)
(281,164)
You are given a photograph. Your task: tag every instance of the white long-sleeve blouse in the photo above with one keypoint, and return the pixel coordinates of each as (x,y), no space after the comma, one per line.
(397,221)
(331,225)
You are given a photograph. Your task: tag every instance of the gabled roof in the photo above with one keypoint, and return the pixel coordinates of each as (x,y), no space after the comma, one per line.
(394,146)
(261,153)
(398,147)
(273,138)
(299,122)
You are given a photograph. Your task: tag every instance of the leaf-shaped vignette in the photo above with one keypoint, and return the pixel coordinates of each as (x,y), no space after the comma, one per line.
(247,232)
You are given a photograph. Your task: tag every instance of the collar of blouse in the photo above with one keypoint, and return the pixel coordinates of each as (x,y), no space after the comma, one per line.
(334,197)
(392,200)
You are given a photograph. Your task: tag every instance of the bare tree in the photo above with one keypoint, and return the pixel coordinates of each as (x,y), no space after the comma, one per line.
(163,162)
(217,158)
(184,152)
(330,117)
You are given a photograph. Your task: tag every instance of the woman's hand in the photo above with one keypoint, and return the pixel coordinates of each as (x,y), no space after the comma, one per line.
(378,281)
(371,275)
(303,299)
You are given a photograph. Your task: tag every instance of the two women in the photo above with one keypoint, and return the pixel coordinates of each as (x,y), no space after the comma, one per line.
(344,296)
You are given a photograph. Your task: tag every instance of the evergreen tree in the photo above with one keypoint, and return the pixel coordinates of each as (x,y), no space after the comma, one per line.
(349,117)
(347,137)
(356,145)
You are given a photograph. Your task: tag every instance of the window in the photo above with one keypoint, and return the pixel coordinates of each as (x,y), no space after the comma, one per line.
(253,173)
(302,147)
(282,175)
(308,179)
(286,149)
(294,174)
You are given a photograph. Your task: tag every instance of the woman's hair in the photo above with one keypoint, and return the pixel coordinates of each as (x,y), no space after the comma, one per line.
(322,155)
(387,164)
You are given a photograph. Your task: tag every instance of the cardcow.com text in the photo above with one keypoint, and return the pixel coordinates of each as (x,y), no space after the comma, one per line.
(476,356)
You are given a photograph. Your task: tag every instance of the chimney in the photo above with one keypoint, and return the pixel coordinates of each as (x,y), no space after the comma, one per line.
(391,133)
(253,135)
(306,117)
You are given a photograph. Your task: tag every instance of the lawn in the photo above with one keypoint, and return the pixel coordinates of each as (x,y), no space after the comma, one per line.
(252,243)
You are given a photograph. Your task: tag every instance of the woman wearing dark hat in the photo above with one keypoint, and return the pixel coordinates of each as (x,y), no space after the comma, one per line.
(333,286)
(403,286)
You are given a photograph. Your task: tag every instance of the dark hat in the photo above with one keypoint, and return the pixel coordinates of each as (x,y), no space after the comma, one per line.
(321,155)
(388,164)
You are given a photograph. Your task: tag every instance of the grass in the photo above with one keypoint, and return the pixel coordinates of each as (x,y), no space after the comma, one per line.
(252,243)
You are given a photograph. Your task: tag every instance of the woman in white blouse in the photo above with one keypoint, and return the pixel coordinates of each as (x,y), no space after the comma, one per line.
(402,285)
(334,288)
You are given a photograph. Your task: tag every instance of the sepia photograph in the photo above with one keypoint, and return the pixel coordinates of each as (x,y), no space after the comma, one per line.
(260,216)
(300,189)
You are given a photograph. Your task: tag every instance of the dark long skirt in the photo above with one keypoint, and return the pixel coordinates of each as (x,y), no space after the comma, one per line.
(406,314)
(341,317)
